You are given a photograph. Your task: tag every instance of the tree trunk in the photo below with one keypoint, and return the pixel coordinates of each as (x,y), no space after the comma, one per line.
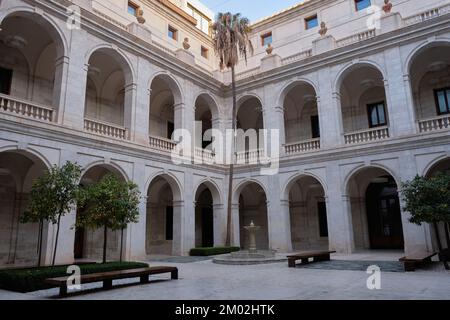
(438,238)
(105,242)
(56,240)
(231,173)
(447,234)
(121,245)
(41,231)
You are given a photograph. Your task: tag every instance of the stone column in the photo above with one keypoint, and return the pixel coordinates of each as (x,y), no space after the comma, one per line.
(279,115)
(60,87)
(220,225)
(235,226)
(129,112)
(398,94)
(178,229)
(142,113)
(330,115)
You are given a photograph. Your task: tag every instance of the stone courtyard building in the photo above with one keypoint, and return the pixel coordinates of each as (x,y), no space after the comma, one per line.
(361,97)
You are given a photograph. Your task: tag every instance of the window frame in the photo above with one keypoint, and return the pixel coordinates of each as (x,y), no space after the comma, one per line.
(447,102)
(174,32)
(369,114)
(204,49)
(135,7)
(315,120)
(265,36)
(356,5)
(310,18)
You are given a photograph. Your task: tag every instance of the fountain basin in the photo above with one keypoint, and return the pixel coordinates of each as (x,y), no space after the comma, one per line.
(250,257)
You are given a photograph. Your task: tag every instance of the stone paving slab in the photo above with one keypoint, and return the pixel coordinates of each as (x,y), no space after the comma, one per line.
(387,266)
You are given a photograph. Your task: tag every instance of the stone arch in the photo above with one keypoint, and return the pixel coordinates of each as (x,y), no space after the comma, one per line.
(173,181)
(362,167)
(239,187)
(292,84)
(293,179)
(350,67)
(434,165)
(213,188)
(173,83)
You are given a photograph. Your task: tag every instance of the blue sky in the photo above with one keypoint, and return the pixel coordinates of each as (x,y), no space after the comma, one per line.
(252,9)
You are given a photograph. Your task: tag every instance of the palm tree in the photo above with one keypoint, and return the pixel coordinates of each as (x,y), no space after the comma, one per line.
(231,41)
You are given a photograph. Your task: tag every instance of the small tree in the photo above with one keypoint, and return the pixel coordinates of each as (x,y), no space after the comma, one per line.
(428,201)
(52,196)
(110,204)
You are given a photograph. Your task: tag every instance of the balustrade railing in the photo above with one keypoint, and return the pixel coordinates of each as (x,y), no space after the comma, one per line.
(162,144)
(25,108)
(365,136)
(302,146)
(105,129)
(434,124)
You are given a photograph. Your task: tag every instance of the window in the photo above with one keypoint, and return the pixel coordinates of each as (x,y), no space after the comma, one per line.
(169,223)
(315,128)
(362,4)
(5,81)
(311,22)
(132,8)
(204,52)
(173,33)
(203,21)
(266,39)
(442,97)
(377,115)
(323,222)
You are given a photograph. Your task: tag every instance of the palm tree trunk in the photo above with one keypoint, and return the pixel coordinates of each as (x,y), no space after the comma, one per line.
(231,173)
(105,242)
(56,240)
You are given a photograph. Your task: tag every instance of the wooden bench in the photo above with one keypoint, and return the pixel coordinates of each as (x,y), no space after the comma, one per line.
(305,256)
(417,259)
(108,277)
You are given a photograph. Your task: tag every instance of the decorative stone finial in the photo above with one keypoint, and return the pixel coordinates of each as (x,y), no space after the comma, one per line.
(186,44)
(387,6)
(140,16)
(323,29)
(269,49)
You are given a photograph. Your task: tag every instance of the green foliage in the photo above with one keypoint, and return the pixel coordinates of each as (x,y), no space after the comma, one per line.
(111,203)
(204,252)
(231,38)
(53,194)
(428,199)
(33,279)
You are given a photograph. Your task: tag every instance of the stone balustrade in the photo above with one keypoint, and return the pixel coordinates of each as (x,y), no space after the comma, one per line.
(434,124)
(250,156)
(162,144)
(365,136)
(426,15)
(362,36)
(204,156)
(25,108)
(302,146)
(105,129)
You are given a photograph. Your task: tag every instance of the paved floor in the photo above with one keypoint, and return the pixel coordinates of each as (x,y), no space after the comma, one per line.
(203,280)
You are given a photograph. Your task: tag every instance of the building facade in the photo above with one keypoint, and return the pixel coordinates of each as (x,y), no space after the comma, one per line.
(358,89)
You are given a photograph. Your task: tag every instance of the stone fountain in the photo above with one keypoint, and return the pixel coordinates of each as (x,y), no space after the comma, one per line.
(252,255)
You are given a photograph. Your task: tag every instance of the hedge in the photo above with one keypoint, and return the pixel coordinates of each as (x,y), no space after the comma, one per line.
(33,279)
(203,252)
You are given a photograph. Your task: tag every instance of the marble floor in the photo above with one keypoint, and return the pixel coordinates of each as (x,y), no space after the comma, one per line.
(204,280)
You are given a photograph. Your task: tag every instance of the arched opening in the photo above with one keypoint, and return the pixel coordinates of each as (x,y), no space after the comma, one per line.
(363,105)
(206,113)
(375,210)
(163,217)
(19,243)
(301,115)
(253,207)
(308,214)
(108,103)
(250,121)
(430,82)
(442,166)
(164,116)
(204,218)
(89,243)
(30,66)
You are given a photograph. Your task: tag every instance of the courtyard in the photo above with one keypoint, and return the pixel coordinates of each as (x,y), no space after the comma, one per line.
(201,279)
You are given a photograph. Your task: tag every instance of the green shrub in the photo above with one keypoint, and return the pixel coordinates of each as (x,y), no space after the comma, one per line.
(33,279)
(203,252)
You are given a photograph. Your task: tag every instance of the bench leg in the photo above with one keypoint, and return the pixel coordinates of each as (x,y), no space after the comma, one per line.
(63,291)
(144,279)
(305,261)
(107,284)
(291,263)
(174,274)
